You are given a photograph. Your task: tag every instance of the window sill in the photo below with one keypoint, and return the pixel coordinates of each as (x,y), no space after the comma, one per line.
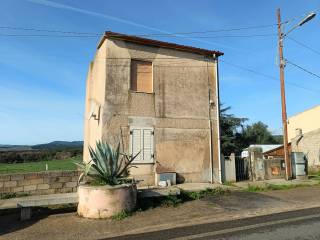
(151,93)
(142,162)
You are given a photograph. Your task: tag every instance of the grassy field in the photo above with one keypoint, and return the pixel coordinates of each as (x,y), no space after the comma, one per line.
(39,166)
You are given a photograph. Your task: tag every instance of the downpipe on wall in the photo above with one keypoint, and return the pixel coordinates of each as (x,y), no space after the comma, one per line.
(218,117)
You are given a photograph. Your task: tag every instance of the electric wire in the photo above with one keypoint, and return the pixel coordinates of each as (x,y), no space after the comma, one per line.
(139,35)
(303,69)
(304,45)
(269,76)
(94,36)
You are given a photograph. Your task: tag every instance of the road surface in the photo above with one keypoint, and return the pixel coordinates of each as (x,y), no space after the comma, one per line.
(295,225)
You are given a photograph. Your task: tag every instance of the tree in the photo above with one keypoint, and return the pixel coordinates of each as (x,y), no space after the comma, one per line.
(229,127)
(235,135)
(258,133)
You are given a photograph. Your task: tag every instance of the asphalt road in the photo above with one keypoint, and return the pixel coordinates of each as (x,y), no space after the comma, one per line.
(295,225)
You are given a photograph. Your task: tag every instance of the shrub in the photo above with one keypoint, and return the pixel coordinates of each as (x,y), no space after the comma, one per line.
(108,166)
(120,216)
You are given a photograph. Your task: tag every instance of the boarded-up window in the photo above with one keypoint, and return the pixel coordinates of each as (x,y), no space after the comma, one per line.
(141,76)
(142,141)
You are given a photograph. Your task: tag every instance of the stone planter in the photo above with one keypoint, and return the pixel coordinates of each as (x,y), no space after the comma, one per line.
(106,201)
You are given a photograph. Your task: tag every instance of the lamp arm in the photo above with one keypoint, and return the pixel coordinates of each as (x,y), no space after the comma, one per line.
(293,28)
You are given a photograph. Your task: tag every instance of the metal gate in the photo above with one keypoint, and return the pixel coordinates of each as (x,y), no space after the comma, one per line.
(242,169)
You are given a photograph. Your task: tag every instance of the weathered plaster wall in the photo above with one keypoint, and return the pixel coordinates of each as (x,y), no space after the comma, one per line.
(308,120)
(309,144)
(178,109)
(95,93)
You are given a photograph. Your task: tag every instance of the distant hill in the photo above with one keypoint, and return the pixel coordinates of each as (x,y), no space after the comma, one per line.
(7,147)
(56,145)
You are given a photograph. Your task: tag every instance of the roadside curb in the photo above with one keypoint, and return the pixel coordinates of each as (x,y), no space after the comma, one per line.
(210,219)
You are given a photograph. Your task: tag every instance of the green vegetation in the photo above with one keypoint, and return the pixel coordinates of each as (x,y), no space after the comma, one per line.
(237,135)
(39,166)
(12,195)
(24,156)
(120,216)
(314,173)
(176,200)
(171,201)
(108,166)
(271,187)
(228,183)
(187,196)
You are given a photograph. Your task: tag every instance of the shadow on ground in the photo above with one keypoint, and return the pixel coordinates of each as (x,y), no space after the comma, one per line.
(10,218)
(152,213)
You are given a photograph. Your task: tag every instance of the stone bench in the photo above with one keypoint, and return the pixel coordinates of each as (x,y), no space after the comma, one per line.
(27,203)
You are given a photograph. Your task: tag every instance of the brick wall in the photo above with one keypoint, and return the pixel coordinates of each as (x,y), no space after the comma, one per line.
(39,183)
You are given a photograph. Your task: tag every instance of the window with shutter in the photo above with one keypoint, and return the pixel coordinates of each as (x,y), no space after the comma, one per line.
(136,144)
(147,145)
(141,76)
(141,140)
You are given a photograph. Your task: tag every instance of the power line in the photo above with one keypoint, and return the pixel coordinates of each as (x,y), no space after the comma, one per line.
(269,76)
(140,35)
(303,69)
(226,36)
(302,15)
(304,45)
(249,70)
(93,36)
(210,31)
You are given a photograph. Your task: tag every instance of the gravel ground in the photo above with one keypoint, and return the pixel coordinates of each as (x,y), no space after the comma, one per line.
(64,224)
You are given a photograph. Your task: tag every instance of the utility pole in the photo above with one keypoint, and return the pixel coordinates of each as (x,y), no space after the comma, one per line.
(283,101)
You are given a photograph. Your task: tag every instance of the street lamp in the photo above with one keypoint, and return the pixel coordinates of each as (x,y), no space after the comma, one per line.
(281,36)
(303,21)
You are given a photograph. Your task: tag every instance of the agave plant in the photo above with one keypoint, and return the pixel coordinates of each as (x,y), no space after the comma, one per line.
(108,166)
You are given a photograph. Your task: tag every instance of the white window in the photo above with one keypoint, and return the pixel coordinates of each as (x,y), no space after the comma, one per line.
(141,140)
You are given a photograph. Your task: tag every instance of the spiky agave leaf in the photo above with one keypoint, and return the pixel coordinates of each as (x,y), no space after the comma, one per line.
(85,167)
(107,164)
(126,165)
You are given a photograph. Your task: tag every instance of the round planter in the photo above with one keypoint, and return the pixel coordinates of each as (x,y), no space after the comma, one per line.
(106,201)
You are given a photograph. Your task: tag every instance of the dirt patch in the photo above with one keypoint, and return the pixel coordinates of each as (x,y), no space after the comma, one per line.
(215,208)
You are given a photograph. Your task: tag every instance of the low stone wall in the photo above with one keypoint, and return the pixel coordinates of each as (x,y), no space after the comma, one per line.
(274,168)
(39,183)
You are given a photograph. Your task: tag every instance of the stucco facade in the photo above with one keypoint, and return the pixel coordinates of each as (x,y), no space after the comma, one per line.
(182,110)
(307,121)
(304,133)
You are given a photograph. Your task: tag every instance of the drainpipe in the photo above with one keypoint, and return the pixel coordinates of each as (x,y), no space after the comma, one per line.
(298,137)
(211,155)
(210,126)
(218,117)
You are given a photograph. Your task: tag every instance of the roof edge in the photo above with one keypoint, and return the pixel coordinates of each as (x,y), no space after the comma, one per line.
(302,112)
(157,43)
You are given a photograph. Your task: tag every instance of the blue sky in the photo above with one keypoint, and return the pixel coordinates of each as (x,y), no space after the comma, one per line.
(42,79)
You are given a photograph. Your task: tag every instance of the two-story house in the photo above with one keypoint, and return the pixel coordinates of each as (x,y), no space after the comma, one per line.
(159,98)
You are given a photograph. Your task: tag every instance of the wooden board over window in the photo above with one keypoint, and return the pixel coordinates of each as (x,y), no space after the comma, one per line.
(141,76)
